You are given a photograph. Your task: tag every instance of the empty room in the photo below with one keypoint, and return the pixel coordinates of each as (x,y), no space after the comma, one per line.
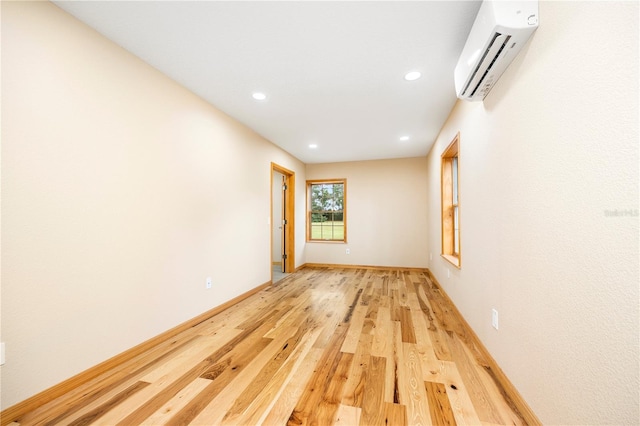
(319,212)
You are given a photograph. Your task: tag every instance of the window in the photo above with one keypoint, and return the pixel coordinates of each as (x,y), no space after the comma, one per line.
(326,210)
(451,202)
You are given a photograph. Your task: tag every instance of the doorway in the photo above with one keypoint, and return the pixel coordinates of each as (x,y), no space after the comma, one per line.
(282,222)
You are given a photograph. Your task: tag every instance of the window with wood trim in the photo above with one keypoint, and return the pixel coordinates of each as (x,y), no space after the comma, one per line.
(327,210)
(450,166)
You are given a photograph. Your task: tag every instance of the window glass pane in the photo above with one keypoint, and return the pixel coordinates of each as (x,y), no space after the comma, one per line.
(327,196)
(338,199)
(316,231)
(316,198)
(454,172)
(455,217)
(327,231)
(338,231)
(456,239)
(456,242)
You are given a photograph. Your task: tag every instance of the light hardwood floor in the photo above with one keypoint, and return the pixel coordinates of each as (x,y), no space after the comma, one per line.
(323,346)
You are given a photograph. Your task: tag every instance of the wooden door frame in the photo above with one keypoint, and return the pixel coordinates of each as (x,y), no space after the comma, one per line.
(289,234)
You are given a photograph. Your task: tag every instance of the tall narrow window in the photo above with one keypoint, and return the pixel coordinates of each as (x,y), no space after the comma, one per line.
(326,210)
(454,206)
(450,165)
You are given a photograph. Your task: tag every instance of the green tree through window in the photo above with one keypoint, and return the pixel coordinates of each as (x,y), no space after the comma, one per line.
(326,210)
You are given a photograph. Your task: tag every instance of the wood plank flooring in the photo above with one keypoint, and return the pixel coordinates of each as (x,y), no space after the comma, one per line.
(323,346)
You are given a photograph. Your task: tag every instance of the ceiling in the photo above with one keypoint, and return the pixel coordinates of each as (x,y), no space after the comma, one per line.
(332,72)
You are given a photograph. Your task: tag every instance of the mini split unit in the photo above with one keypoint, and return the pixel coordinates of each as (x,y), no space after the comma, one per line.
(499,32)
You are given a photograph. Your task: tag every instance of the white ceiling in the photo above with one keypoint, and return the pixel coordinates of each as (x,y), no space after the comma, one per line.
(332,71)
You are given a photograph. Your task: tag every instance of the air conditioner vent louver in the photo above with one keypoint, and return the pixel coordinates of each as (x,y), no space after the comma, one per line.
(500,30)
(490,57)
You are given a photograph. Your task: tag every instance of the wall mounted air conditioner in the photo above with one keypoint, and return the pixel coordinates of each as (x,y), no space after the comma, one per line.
(499,32)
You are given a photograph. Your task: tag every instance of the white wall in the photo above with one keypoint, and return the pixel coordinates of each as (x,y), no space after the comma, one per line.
(122,192)
(551,152)
(386,213)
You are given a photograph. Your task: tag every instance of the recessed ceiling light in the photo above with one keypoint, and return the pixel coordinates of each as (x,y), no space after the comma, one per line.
(413,75)
(404,138)
(258,96)
(312,146)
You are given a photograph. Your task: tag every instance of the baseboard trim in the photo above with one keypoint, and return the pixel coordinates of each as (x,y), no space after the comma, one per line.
(339,266)
(16,411)
(519,403)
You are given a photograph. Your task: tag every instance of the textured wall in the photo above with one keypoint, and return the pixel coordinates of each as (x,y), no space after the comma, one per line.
(545,163)
(386,213)
(122,192)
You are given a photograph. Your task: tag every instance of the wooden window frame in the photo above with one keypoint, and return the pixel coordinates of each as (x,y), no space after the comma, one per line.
(450,206)
(309,212)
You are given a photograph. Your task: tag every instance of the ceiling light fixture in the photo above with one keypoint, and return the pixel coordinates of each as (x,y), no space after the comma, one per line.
(258,96)
(413,75)
(404,138)
(312,146)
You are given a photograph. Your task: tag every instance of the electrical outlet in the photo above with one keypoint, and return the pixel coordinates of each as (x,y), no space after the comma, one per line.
(208,282)
(448,273)
(348,251)
(2,354)
(494,319)
(430,256)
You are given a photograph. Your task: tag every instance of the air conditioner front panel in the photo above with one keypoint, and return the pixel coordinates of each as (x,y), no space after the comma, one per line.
(482,76)
(499,32)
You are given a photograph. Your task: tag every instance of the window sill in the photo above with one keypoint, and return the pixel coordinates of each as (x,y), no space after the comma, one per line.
(327,241)
(455,261)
